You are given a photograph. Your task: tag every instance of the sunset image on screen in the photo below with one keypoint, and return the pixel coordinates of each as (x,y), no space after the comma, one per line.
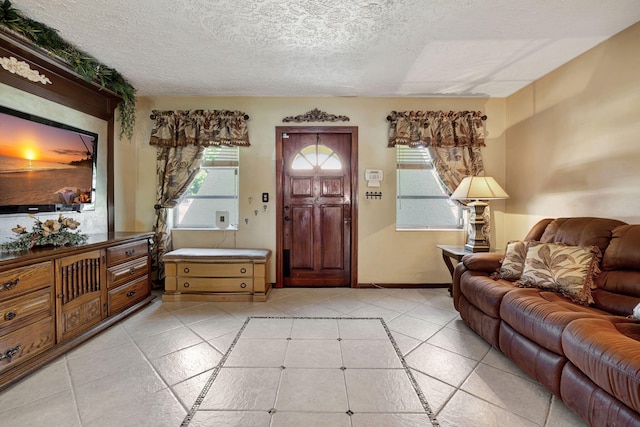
(23,139)
(43,164)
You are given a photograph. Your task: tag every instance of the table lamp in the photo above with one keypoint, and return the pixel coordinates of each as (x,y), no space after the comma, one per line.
(477,189)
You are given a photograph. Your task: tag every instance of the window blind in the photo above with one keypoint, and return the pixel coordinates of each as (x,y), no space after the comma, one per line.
(412,158)
(221,155)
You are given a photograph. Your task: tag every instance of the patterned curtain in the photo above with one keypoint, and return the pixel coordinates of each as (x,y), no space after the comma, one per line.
(453,138)
(181,138)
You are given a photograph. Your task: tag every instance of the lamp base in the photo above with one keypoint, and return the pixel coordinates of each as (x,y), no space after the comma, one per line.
(476,241)
(476,247)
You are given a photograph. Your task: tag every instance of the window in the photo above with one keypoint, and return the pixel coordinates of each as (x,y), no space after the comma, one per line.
(421,199)
(314,156)
(215,188)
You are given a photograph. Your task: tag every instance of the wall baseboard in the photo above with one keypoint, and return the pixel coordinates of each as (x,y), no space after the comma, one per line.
(404,285)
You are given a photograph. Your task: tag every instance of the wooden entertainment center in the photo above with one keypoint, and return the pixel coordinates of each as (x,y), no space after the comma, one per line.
(52,299)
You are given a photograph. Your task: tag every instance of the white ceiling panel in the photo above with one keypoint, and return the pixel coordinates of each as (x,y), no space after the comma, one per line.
(333,47)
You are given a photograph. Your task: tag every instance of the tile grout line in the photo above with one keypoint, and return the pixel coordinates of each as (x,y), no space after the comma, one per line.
(191,413)
(412,379)
(148,360)
(73,391)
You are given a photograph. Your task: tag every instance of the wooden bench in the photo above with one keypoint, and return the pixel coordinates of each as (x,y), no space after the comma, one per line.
(203,274)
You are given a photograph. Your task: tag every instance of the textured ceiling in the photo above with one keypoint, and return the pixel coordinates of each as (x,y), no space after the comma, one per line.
(333,47)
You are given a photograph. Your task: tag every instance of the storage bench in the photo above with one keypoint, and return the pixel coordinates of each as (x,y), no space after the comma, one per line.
(204,274)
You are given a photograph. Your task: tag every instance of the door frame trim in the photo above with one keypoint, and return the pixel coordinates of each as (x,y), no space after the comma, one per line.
(353,132)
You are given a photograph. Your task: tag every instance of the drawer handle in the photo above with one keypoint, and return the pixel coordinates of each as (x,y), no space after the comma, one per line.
(186,269)
(186,284)
(130,252)
(9,354)
(10,284)
(130,294)
(132,270)
(243,285)
(243,270)
(10,315)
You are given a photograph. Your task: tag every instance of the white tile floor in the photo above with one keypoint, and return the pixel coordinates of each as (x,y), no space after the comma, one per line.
(149,369)
(310,369)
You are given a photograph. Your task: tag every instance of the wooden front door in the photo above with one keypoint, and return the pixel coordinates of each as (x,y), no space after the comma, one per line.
(316,206)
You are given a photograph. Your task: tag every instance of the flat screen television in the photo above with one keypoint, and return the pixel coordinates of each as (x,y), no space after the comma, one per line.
(45,166)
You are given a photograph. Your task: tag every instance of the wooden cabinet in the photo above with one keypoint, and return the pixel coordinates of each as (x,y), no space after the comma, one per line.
(52,299)
(128,278)
(26,305)
(217,274)
(80,292)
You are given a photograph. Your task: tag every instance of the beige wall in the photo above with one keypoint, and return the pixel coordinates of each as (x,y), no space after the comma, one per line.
(565,145)
(90,221)
(573,139)
(385,256)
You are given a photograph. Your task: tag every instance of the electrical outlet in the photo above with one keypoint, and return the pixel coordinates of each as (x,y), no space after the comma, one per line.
(222,219)
(265,197)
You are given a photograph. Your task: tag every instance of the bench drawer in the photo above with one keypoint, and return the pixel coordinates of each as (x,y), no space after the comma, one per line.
(187,269)
(201,284)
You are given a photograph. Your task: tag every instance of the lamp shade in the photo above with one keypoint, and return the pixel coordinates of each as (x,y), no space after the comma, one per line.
(479,188)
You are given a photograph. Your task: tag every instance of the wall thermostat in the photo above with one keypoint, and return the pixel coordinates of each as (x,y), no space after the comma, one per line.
(373,177)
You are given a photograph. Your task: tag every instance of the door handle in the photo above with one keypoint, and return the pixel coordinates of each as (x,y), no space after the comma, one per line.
(286,218)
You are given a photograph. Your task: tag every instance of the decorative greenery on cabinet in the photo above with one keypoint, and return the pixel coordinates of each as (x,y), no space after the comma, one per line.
(84,65)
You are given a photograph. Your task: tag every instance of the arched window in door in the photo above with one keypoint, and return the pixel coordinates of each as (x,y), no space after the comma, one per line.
(313,156)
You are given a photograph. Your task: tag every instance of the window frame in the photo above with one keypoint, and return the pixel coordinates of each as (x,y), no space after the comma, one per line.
(215,157)
(412,158)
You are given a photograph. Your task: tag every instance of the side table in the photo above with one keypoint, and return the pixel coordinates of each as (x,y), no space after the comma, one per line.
(451,252)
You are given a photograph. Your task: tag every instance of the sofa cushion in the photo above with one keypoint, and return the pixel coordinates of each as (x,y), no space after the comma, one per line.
(607,353)
(542,316)
(513,261)
(569,270)
(581,231)
(623,253)
(613,302)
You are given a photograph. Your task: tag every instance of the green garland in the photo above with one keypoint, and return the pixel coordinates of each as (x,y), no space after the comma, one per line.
(84,65)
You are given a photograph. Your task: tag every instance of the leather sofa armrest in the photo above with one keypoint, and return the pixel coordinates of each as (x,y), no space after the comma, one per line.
(488,262)
(480,263)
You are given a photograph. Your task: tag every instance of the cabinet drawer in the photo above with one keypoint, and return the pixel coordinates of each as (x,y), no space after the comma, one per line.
(26,309)
(125,272)
(202,284)
(244,269)
(25,279)
(123,253)
(26,343)
(127,295)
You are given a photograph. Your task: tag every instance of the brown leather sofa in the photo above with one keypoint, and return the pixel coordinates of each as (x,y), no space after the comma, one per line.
(589,356)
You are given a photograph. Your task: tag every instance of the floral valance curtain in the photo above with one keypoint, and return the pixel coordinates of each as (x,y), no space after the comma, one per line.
(199,127)
(453,138)
(181,138)
(436,128)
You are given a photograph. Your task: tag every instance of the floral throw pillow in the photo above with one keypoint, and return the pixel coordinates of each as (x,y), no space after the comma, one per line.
(513,261)
(569,270)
